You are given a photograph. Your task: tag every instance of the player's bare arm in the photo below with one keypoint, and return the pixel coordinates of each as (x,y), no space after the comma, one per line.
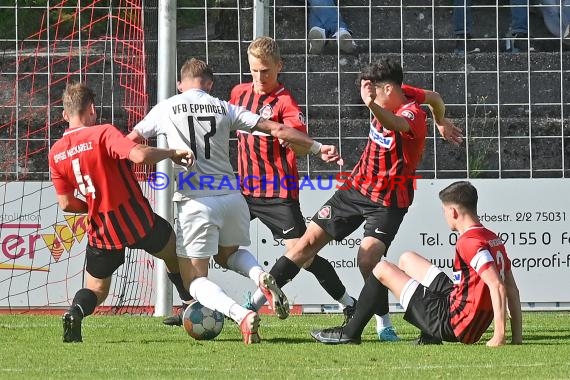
(498,293)
(302,151)
(143,154)
(514,302)
(385,117)
(293,136)
(446,128)
(70,203)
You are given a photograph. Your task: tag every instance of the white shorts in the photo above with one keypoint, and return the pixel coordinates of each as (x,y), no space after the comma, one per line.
(207,222)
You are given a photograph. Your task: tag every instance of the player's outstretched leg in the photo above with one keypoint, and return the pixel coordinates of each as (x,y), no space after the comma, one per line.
(249,327)
(72,325)
(274,295)
(334,335)
(213,297)
(243,262)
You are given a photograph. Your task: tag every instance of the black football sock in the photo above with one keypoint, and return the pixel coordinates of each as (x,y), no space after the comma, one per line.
(382,305)
(327,277)
(176,279)
(86,299)
(372,295)
(284,270)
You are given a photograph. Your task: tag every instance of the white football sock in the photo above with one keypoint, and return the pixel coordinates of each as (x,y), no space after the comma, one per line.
(346,300)
(243,262)
(257,299)
(211,295)
(238,313)
(382,322)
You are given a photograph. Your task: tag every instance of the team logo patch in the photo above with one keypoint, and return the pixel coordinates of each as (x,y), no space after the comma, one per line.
(408,114)
(456,277)
(266,112)
(325,212)
(301,118)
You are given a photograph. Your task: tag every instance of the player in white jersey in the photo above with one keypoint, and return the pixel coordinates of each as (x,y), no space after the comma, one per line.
(213,217)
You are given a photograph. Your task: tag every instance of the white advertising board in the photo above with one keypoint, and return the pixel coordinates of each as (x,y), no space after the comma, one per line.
(42,249)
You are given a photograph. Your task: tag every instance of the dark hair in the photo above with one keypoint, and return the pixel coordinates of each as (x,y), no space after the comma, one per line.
(461,193)
(385,70)
(196,68)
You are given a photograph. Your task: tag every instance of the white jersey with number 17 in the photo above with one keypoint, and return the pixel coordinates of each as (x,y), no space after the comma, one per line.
(198,121)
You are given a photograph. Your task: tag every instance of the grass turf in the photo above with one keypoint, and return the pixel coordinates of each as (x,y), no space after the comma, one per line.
(141,347)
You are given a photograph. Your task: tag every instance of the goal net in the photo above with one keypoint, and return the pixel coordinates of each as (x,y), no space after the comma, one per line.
(101,43)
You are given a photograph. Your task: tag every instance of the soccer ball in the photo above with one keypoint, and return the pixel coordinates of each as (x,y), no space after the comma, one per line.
(202,323)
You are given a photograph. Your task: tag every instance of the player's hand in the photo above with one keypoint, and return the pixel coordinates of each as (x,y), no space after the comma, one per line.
(183,157)
(367,92)
(284,143)
(496,341)
(449,131)
(329,154)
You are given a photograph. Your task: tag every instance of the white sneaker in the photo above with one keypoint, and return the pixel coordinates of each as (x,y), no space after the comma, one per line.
(345,41)
(317,40)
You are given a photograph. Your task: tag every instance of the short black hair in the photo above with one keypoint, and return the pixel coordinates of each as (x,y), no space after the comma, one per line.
(461,193)
(385,70)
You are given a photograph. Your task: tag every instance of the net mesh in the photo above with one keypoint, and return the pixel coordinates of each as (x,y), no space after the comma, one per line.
(101,43)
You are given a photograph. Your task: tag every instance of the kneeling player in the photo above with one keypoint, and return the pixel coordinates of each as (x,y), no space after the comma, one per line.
(458,310)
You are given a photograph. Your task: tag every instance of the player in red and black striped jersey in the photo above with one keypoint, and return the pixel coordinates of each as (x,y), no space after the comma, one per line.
(380,188)
(268,168)
(457,309)
(92,159)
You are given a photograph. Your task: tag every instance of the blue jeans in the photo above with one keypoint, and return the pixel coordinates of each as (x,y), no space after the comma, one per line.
(327,18)
(552,16)
(519,19)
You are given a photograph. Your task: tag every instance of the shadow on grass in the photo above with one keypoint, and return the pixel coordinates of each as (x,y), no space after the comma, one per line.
(287,340)
(554,338)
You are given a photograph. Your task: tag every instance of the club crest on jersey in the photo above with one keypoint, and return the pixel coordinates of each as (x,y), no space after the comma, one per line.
(301,118)
(408,114)
(378,138)
(266,112)
(324,212)
(456,277)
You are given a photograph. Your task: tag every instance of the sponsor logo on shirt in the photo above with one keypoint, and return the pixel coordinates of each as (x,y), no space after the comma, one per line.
(378,138)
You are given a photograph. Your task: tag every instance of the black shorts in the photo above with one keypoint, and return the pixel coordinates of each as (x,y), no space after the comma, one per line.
(428,309)
(102,263)
(345,211)
(282,216)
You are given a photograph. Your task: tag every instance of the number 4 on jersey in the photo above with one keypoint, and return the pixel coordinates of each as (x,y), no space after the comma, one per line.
(83,189)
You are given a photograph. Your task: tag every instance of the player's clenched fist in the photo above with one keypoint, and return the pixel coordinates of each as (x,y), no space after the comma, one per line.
(367,92)
(183,157)
(330,154)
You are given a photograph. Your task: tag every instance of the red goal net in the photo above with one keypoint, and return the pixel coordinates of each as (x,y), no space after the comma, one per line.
(101,43)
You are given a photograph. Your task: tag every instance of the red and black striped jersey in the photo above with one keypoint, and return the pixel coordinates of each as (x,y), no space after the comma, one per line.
(471,309)
(267,169)
(386,170)
(93,160)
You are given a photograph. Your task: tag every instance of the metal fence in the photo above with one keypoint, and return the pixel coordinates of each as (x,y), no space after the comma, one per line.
(513,107)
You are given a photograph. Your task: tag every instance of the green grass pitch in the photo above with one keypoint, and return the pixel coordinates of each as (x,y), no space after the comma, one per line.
(141,347)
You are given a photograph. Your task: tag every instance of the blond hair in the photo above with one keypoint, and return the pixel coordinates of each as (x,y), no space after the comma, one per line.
(76,98)
(196,68)
(264,48)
